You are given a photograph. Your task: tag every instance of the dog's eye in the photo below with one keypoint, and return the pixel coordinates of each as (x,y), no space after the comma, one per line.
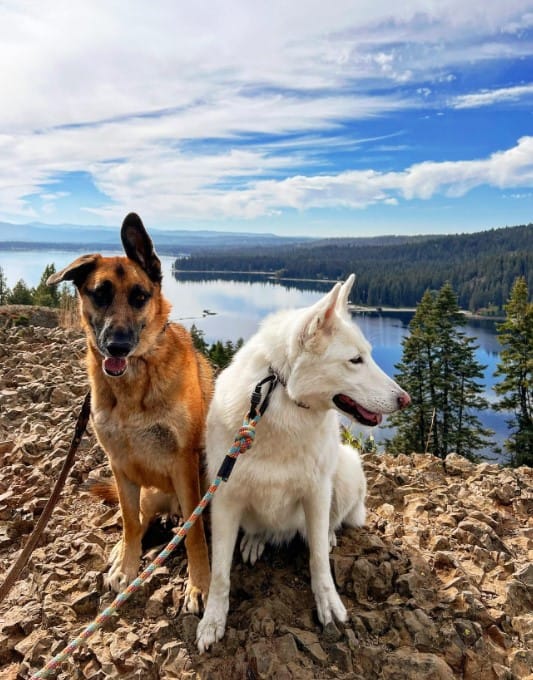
(103,295)
(356,360)
(138,298)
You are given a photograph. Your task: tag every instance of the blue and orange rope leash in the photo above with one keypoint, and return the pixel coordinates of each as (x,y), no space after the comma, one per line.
(243,441)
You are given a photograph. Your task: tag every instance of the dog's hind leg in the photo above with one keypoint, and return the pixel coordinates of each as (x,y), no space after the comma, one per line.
(349,490)
(252,547)
(357,515)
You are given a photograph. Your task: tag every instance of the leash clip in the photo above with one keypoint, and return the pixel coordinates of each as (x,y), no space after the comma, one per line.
(255,402)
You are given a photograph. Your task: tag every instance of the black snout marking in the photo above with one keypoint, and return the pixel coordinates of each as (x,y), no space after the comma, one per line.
(120,343)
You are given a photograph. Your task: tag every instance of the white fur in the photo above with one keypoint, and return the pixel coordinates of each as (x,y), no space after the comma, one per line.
(297,477)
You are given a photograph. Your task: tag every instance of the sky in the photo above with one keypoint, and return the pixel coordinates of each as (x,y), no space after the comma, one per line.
(344,118)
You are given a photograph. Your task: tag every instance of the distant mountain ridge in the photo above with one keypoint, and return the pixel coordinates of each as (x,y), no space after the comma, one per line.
(70,236)
(176,242)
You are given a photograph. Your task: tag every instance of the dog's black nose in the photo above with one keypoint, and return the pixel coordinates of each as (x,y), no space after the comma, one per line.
(120,344)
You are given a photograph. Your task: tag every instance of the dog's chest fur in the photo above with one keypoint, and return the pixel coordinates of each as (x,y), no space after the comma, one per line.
(291,455)
(139,432)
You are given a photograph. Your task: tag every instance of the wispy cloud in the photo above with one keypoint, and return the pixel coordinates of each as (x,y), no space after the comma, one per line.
(490,97)
(239,110)
(353,189)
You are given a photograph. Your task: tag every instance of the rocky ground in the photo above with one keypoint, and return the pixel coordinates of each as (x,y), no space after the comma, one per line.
(438,585)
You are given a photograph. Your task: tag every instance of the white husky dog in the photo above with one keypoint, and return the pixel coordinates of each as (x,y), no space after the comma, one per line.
(297,477)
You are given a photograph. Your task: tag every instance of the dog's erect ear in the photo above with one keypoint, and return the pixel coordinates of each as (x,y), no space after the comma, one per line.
(321,315)
(76,271)
(139,247)
(344,294)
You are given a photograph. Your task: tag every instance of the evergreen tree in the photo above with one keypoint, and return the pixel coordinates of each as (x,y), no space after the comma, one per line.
(440,372)
(414,374)
(20,295)
(45,295)
(219,353)
(458,392)
(4,290)
(198,340)
(516,369)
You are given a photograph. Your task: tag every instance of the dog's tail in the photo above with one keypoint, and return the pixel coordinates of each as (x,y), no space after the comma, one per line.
(103,488)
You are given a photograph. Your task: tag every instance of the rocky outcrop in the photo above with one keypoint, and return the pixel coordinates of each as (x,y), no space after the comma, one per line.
(438,585)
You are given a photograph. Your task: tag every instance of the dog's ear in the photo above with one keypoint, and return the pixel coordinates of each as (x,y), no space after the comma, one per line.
(138,246)
(321,315)
(344,294)
(76,271)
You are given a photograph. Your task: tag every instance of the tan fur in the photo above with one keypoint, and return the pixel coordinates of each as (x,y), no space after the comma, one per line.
(150,420)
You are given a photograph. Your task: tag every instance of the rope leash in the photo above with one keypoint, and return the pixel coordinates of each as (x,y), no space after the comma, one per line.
(243,441)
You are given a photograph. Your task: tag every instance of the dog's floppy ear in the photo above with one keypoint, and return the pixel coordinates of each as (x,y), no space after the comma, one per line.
(76,271)
(321,315)
(344,294)
(139,247)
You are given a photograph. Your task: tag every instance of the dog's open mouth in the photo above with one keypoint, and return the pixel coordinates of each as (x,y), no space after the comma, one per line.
(114,366)
(355,410)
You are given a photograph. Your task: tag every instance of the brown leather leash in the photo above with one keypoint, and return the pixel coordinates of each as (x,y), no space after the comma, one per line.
(16,569)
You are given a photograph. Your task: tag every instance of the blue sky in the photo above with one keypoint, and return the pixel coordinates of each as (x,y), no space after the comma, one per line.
(342,118)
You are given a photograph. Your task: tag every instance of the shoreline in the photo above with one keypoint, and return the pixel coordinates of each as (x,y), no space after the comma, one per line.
(356,309)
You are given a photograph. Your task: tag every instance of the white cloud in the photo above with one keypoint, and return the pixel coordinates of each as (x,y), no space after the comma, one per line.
(132,96)
(71,61)
(490,97)
(358,189)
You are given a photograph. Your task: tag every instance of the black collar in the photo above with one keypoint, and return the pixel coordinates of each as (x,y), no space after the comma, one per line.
(281,380)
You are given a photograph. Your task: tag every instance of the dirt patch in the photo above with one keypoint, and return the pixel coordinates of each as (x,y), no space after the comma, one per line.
(439,584)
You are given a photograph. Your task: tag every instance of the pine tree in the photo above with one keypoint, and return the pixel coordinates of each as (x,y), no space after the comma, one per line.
(458,390)
(440,371)
(45,295)
(516,369)
(198,339)
(20,295)
(413,426)
(4,290)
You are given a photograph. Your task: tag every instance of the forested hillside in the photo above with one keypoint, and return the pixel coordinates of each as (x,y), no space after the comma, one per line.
(481,267)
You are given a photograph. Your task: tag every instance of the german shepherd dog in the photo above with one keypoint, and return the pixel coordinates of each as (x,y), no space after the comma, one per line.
(150,391)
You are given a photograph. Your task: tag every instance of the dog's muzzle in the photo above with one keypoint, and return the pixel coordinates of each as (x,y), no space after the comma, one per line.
(116,350)
(355,410)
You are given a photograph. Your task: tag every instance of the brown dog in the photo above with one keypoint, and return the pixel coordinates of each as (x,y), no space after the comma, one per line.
(150,391)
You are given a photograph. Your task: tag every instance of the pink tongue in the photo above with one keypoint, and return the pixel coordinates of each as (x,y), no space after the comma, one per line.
(373,417)
(115,364)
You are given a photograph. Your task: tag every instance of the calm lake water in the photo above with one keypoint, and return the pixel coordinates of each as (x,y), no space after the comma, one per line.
(227,309)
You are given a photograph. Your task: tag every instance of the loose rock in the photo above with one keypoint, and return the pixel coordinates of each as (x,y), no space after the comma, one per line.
(437,585)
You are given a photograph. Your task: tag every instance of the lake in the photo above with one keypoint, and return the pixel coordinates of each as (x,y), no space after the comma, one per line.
(228,309)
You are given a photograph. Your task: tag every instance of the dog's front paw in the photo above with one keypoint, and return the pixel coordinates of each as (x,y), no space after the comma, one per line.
(121,571)
(252,547)
(194,599)
(210,630)
(117,580)
(329,605)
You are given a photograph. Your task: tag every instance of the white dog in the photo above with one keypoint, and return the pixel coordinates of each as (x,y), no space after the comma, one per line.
(297,477)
